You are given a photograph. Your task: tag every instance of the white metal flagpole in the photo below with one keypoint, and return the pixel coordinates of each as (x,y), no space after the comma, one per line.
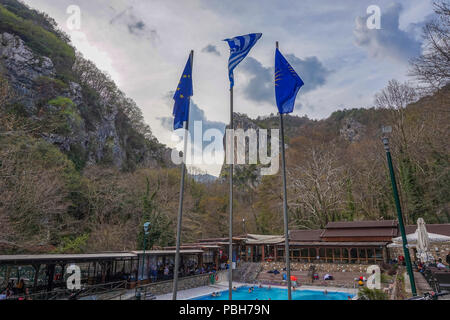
(285,209)
(180,205)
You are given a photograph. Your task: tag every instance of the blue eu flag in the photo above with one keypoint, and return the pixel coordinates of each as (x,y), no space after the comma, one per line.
(287,84)
(182,96)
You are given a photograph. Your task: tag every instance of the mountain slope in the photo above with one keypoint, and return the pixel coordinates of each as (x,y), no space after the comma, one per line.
(76,106)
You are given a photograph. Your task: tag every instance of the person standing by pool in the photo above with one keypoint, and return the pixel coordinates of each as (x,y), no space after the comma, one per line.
(166,272)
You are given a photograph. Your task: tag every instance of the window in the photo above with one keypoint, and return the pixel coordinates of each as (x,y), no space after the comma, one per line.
(379,254)
(362,254)
(353,255)
(304,253)
(345,255)
(322,255)
(329,254)
(280,253)
(337,254)
(371,255)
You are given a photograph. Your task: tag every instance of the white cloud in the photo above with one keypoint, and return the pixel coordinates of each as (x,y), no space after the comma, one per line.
(146,48)
(389,41)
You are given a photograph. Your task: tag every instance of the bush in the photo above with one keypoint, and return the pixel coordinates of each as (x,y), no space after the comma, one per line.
(371,294)
(65,114)
(73,244)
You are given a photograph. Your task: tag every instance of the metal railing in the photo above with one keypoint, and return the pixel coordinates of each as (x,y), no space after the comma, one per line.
(65,294)
(146,291)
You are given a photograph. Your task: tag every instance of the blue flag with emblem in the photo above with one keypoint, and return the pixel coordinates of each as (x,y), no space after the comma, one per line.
(239,48)
(182,97)
(287,84)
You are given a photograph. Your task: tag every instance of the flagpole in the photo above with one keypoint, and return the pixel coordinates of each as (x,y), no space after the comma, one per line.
(285,209)
(180,204)
(230,248)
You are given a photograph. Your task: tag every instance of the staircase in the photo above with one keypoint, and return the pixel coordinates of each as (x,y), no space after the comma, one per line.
(247,272)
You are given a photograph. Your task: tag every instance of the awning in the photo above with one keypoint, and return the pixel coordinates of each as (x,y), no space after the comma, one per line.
(412,238)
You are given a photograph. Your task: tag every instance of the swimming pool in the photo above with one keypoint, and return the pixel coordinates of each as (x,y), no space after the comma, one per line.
(265,293)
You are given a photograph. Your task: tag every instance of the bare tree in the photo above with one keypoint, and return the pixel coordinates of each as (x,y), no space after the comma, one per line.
(396,97)
(432,68)
(317,186)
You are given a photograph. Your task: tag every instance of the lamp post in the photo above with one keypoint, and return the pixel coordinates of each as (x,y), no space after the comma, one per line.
(146,227)
(399,214)
(243,225)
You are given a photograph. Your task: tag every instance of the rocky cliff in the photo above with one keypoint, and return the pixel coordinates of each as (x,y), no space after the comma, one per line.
(89,125)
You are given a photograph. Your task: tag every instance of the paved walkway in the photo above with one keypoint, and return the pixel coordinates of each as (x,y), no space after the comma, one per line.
(422,285)
(198,292)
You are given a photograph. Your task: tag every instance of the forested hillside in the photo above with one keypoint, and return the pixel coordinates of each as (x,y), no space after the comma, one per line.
(80,171)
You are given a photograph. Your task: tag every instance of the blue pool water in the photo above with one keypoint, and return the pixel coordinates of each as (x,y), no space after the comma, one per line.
(277,294)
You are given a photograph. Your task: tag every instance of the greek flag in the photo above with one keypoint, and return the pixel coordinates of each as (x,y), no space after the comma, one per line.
(239,48)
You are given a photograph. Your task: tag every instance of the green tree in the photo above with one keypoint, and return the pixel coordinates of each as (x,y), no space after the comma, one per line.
(161,229)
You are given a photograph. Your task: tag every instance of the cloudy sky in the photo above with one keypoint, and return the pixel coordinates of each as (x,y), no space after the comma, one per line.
(144,45)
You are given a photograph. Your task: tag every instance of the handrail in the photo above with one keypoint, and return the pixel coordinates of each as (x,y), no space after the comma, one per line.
(66,294)
(142,290)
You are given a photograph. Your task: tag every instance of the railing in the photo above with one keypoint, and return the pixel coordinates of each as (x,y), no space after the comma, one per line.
(146,291)
(65,294)
(247,272)
(100,289)
(42,295)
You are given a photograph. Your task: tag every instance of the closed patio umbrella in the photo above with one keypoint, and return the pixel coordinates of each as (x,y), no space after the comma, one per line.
(423,242)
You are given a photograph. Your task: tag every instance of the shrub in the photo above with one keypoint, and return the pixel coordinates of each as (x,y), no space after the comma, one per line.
(371,294)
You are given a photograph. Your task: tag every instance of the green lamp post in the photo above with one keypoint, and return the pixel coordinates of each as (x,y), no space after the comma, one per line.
(146,227)
(399,215)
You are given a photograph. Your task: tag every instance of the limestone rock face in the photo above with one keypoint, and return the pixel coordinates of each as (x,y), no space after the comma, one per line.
(352,130)
(90,132)
(23,66)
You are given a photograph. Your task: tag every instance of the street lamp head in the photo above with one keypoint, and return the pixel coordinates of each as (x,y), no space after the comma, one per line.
(386,129)
(146,227)
(386,143)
